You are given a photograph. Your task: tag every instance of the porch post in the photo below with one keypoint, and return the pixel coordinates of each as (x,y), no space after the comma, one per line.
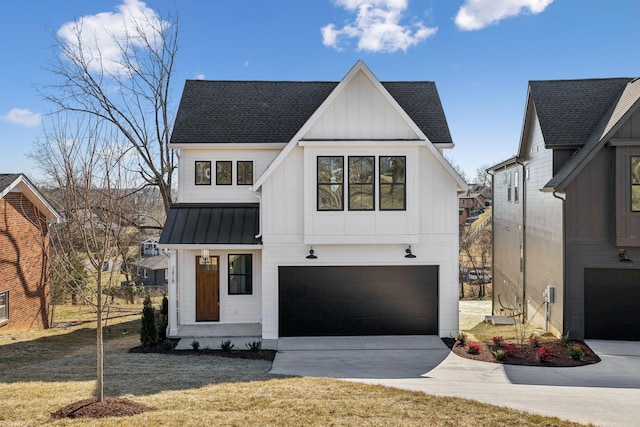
(172,293)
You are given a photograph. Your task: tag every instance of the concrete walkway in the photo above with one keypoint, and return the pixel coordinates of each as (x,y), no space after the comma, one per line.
(605,394)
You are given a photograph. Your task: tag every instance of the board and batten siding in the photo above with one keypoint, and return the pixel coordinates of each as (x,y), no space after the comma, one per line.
(361,112)
(188,192)
(233,308)
(591,208)
(544,243)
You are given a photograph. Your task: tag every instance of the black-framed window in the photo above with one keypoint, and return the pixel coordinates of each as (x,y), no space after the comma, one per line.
(223,172)
(245,172)
(516,186)
(509,183)
(361,183)
(393,186)
(330,183)
(240,274)
(635,183)
(4,306)
(203,172)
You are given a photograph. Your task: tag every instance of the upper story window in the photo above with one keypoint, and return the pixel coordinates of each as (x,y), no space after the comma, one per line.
(245,172)
(240,274)
(393,188)
(4,306)
(516,193)
(361,183)
(223,172)
(203,172)
(330,183)
(635,183)
(509,184)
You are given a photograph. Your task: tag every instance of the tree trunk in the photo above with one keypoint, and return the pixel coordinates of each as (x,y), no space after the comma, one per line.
(99,348)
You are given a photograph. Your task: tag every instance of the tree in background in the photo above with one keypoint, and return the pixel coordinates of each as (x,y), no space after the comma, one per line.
(121,76)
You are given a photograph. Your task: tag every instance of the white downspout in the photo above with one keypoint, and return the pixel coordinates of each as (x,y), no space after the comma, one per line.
(259,196)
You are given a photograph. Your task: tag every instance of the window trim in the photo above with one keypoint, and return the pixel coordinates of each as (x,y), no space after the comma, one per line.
(403,184)
(238,172)
(319,184)
(372,184)
(6,307)
(224,162)
(195,172)
(249,275)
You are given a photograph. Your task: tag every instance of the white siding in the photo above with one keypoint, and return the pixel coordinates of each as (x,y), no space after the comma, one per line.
(188,192)
(233,308)
(360,112)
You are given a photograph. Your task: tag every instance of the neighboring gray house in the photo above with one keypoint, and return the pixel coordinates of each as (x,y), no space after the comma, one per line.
(152,270)
(567,211)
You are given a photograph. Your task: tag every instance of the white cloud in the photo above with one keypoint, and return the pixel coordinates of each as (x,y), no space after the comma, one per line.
(22,117)
(376,26)
(478,14)
(199,76)
(103,34)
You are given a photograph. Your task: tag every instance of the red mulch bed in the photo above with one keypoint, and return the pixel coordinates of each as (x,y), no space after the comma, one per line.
(558,355)
(109,407)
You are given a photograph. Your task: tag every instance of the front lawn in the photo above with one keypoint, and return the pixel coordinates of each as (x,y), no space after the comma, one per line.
(43,371)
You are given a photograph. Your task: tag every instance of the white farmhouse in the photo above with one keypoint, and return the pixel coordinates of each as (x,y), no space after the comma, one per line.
(313,209)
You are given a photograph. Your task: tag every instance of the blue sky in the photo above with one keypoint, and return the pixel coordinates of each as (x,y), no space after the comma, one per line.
(480,53)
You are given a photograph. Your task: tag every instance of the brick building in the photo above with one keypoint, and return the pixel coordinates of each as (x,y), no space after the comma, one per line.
(25,216)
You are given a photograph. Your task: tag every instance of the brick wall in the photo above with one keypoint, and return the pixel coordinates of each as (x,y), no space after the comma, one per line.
(23,263)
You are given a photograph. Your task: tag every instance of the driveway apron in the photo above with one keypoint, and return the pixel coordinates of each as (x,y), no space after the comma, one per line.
(605,394)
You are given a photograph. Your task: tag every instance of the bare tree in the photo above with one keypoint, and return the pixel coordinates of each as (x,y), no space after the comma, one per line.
(90,171)
(126,85)
(482,176)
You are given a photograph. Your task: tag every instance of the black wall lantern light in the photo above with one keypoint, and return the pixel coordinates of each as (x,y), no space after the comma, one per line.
(624,256)
(311,254)
(409,253)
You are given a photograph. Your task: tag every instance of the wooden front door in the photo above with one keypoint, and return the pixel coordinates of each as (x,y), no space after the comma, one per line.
(207,290)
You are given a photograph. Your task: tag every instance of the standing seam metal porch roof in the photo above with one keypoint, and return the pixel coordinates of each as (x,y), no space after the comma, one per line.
(214,111)
(212,224)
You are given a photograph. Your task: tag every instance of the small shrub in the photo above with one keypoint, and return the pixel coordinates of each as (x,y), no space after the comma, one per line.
(163,319)
(254,346)
(576,352)
(534,341)
(149,329)
(543,354)
(473,348)
(498,341)
(226,345)
(500,355)
(512,350)
(564,339)
(195,345)
(462,338)
(170,344)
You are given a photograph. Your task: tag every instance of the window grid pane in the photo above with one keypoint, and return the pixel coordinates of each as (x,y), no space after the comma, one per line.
(330,183)
(392,183)
(361,186)
(245,173)
(635,184)
(4,315)
(203,172)
(240,274)
(223,173)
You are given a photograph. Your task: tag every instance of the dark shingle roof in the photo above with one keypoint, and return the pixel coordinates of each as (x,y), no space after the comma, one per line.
(569,110)
(211,224)
(273,111)
(7,179)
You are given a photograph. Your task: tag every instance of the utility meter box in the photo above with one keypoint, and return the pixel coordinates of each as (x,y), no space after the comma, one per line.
(549,294)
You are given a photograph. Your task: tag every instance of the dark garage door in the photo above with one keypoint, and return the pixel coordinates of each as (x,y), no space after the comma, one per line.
(374,300)
(612,304)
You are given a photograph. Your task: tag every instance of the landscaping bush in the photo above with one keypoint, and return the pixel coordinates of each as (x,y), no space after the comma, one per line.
(195,345)
(576,352)
(462,338)
(254,345)
(543,354)
(534,341)
(226,345)
(500,355)
(149,330)
(473,348)
(163,319)
(512,350)
(498,341)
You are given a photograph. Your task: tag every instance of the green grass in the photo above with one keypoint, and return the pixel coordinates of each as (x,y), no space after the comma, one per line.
(41,372)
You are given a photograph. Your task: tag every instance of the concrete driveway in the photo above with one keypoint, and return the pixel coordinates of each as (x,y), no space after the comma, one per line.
(606,394)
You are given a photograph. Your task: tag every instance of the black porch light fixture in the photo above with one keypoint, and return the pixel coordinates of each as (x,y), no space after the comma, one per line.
(311,254)
(624,256)
(409,253)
